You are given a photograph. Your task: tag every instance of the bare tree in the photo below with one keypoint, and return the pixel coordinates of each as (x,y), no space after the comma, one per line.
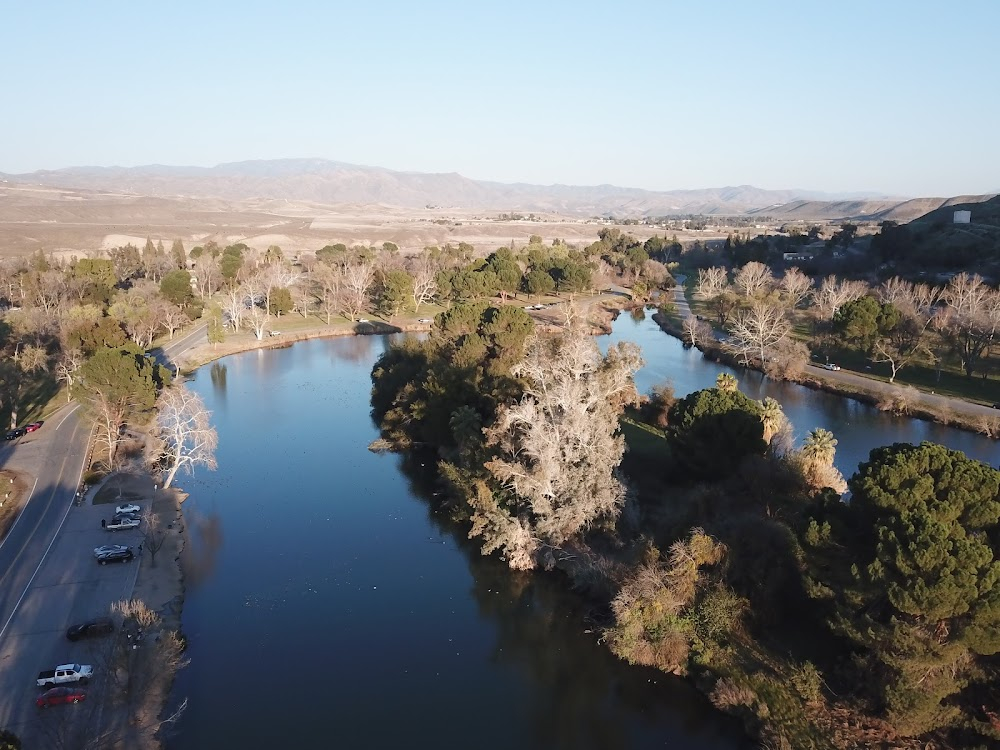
(208,274)
(895,291)
(257,318)
(183,425)
(424,281)
(559,447)
(357,281)
(903,344)
(833,293)
(234,305)
(171,317)
(67,366)
(695,330)
(329,281)
(109,414)
(795,286)
(154,534)
(754,331)
(754,280)
(142,663)
(712,281)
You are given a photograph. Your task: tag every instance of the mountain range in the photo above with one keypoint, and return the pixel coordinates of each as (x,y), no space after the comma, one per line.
(331,182)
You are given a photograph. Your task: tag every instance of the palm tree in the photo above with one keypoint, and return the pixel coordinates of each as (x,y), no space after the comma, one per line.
(726,382)
(820,447)
(772,417)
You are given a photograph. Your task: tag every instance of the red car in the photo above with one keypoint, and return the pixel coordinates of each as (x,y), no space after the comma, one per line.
(34,426)
(55,696)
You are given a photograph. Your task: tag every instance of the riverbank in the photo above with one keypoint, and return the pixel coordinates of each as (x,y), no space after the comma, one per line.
(901,400)
(599,310)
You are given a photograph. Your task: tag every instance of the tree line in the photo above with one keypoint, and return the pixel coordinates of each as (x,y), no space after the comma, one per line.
(897,323)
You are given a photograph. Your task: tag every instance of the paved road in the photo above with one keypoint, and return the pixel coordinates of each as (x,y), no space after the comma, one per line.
(41,594)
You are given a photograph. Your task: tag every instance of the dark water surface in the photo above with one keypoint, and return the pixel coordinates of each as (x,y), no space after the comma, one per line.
(329,607)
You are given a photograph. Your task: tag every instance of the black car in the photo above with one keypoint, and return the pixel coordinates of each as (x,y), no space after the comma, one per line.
(91,629)
(118,555)
(15,433)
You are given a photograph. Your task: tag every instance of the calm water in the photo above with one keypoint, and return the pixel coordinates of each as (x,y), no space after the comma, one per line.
(857,427)
(328,606)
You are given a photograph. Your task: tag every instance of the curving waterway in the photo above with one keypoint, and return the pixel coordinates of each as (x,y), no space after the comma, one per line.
(329,606)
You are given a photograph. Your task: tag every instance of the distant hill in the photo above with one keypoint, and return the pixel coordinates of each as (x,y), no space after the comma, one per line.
(331,182)
(865,210)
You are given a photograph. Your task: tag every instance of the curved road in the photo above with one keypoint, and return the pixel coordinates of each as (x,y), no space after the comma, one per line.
(41,594)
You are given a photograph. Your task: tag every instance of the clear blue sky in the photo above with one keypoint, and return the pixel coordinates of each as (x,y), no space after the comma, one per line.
(900,96)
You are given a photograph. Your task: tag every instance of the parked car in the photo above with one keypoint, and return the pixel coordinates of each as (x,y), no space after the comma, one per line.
(124,555)
(363,320)
(57,695)
(120,522)
(426,320)
(34,426)
(65,673)
(831,366)
(91,628)
(128,508)
(105,548)
(15,433)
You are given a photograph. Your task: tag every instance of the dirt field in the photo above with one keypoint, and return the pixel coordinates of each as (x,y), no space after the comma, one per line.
(80,222)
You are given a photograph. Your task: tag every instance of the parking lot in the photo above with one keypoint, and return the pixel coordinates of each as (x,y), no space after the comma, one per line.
(69,587)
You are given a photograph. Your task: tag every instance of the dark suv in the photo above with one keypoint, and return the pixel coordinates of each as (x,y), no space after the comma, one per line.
(118,555)
(91,629)
(14,434)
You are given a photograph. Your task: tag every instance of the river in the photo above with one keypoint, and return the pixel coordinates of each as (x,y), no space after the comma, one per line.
(329,606)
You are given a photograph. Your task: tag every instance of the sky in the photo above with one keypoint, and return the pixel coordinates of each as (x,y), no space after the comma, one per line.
(897,97)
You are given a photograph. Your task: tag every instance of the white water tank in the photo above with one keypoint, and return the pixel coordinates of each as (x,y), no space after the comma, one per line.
(962,217)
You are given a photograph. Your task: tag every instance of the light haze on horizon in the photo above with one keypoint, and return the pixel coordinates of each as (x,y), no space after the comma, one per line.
(899,98)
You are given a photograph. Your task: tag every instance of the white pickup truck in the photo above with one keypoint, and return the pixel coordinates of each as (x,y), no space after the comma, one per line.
(65,673)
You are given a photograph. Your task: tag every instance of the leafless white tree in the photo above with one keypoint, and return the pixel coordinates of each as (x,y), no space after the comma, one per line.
(171,317)
(712,281)
(795,286)
(329,283)
(208,274)
(257,318)
(755,330)
(754,280)
(183,424)
(67,366)
(559,446)
(357,281)
(424,274)
(834,293)
(233,304)
(695,330)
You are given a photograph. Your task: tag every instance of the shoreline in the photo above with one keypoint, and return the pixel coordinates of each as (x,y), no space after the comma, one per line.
(952,418)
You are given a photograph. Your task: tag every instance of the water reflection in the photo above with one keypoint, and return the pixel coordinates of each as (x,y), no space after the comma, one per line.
(333,575)
(219,372)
